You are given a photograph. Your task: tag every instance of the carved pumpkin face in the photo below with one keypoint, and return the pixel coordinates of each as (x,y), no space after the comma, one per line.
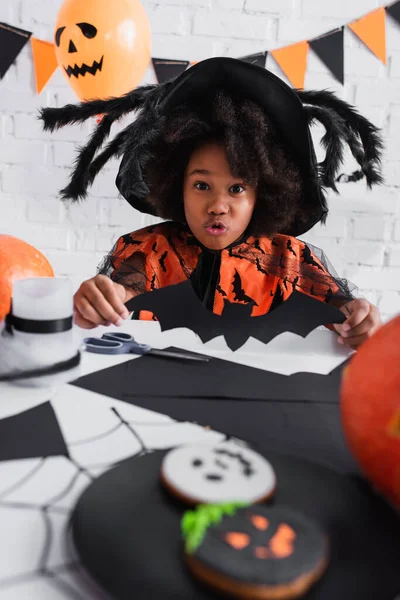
(102,47)
(370,404)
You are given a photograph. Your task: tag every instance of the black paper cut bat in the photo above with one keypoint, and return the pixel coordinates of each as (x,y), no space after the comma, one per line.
(178,306)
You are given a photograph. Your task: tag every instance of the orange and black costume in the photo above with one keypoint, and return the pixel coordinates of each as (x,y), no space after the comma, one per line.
(260,271)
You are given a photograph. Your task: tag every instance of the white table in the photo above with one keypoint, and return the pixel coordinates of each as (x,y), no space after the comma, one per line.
(37,560)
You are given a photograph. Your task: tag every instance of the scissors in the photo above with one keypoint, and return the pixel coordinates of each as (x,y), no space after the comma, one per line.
(124,343)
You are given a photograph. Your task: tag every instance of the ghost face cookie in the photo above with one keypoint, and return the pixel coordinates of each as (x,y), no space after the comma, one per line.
(216,473)
(257,552)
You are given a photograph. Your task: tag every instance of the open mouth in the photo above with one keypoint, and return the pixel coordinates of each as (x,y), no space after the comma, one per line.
(216,228)
(76,71)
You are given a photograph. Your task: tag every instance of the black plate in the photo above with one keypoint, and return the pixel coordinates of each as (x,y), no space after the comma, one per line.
(126,529)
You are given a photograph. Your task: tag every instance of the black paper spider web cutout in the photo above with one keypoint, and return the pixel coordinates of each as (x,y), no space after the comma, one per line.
(44,570)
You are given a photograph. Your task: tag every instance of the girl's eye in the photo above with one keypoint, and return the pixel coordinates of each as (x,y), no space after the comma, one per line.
(201,185)
(237,189)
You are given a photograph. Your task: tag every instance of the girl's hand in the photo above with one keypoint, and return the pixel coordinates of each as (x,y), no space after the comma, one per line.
(363,320)
(100,301)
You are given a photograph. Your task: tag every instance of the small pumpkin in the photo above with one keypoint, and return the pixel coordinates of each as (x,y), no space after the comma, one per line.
(370,408)
(18,260)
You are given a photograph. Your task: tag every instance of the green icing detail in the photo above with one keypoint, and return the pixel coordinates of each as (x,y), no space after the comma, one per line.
(195,523)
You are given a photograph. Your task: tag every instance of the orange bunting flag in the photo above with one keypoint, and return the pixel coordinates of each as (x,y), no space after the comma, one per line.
(371,30)
(293,62)
(45,62)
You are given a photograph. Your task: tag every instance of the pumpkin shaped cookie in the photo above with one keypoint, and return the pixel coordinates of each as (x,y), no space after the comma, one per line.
(254,552)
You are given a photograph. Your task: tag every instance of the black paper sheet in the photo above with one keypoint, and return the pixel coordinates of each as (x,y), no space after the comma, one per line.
(12,40)
(330,49)
(126,529)
(171,378)
(296,414)
(34,433)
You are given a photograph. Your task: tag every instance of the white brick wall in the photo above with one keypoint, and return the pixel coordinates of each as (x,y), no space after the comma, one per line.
(341,9)
(362,235)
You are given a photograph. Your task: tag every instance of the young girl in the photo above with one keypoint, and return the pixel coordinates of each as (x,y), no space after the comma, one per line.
(224,153)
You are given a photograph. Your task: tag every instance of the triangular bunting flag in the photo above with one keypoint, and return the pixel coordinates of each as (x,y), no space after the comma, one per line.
(12,40)
(44,60)
(394,11)
(293,62)
(329,48)
(168,69)
(256,59)
(371,30)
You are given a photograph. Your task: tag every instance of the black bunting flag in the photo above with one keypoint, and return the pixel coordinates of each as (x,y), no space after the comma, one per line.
(166,69)
(394,11)
(258,59)
(12,40)
(329,48)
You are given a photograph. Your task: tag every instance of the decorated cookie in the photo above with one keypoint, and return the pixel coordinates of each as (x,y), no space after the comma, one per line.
(216,473)
(254,552)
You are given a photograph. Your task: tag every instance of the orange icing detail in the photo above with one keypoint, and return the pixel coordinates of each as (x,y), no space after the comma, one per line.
(237,540)
(259,522)
(262,552)
(282,543)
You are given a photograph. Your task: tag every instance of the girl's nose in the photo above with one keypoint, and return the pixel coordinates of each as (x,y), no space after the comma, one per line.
(218,205)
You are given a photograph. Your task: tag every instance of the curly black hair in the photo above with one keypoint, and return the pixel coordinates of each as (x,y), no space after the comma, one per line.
(254,151)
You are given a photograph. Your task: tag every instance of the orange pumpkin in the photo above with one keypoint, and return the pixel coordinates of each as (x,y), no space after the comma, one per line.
(103,47)
(370,405)
(18,260)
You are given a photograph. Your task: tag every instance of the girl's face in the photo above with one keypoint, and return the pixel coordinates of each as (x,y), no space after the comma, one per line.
(218,207)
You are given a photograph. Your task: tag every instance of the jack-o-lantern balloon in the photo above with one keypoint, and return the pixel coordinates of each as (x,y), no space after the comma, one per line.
(370,404)
(103,47)
(18,260)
